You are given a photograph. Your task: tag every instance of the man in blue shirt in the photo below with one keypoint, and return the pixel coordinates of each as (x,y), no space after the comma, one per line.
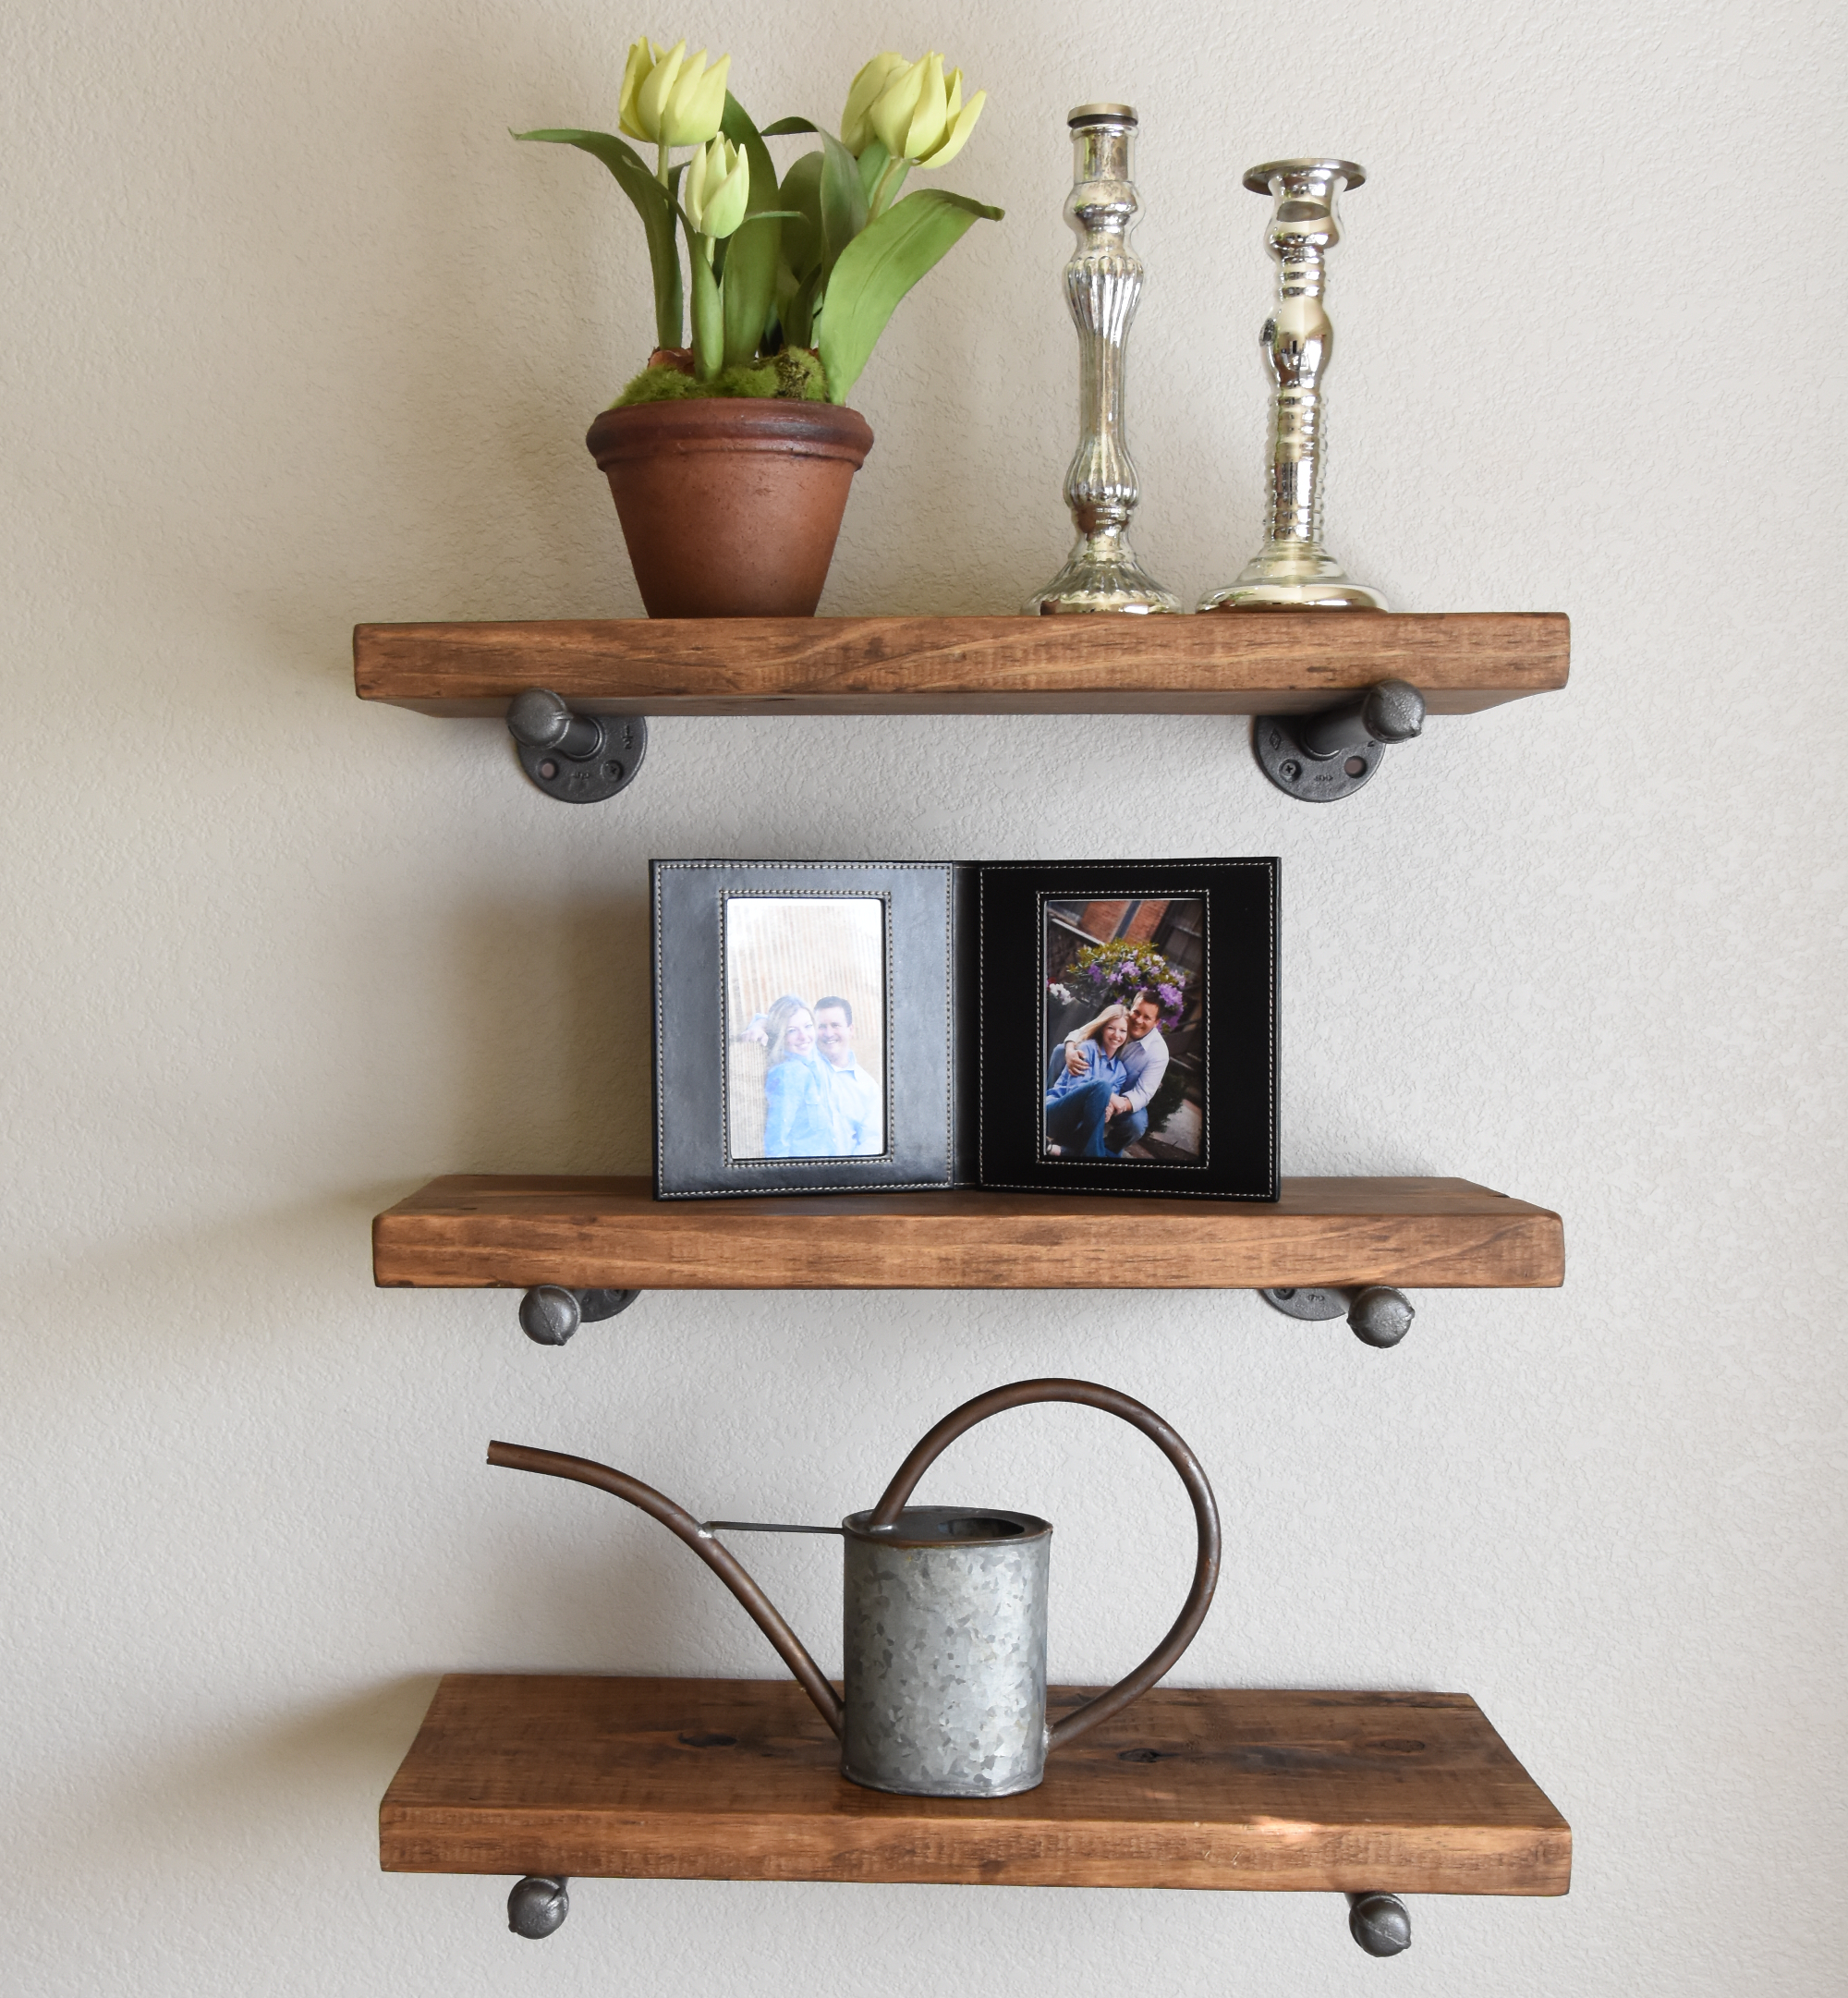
(859,1107)
(1144,1054)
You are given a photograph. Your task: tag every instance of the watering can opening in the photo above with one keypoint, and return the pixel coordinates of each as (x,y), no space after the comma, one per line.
(938,1526)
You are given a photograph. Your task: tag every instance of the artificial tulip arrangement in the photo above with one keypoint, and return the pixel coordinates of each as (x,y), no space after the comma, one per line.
(791,281)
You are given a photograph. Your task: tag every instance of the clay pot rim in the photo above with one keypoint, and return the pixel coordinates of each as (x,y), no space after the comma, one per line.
(730,423)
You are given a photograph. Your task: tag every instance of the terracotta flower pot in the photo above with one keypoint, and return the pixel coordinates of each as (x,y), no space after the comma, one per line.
(730,506)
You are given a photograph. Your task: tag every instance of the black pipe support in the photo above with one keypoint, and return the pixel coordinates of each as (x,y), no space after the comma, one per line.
(1377,1315)
(1330,755)
(538,1905)
(1379,1923)
(550,1315)
(580,759)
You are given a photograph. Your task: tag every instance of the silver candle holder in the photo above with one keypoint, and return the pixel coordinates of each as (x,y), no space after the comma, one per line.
(1104,282)
(1292,569)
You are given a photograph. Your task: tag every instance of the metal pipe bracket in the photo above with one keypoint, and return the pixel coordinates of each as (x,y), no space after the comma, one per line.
(1321,757)
(550,1315)
(581,758)
(538,1905)
(1377,1315)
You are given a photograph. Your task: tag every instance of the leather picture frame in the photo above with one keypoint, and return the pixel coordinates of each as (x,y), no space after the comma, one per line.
(1219,1141)
(699,1061)
(967,1028)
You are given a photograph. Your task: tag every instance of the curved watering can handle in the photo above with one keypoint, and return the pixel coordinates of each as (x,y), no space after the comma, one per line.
(1205,1520)
(714,1554)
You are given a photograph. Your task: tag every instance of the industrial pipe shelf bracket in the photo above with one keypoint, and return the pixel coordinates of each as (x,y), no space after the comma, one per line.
(539,1904)
(1377,1315)
(549,1314)
(581,758)
(1330,755)
(1379,1923)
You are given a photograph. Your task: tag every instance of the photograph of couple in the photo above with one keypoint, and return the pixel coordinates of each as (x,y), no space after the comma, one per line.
(805,1007)
(1123,1072)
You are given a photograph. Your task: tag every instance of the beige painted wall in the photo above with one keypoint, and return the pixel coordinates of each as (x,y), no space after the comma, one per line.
(294,336)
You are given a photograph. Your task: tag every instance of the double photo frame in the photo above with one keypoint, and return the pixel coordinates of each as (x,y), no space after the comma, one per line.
(1091,1027)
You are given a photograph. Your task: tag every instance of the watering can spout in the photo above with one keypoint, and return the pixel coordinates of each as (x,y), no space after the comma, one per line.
(717,1556)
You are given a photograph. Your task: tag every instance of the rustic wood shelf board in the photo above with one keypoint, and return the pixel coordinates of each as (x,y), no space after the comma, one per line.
(473,1231)
(1278,662)
(738,1779)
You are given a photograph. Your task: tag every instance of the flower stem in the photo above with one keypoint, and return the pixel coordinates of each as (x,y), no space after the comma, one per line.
(709,314)
(661,150)
(892,170)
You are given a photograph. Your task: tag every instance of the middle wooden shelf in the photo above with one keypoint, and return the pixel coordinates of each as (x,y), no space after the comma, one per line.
(481,1231)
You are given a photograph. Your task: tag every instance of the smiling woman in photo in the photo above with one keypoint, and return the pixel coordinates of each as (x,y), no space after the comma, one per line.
(799,1099)
(1082,1100)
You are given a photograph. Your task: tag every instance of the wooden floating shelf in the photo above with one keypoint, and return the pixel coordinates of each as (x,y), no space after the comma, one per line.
(738,1779)
(1279,663)
(472,1231)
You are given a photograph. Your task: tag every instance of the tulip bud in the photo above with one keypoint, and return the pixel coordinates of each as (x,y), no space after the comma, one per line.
(673,98)
(920,115)
(643,56)
(857,132)
(716,188)
(962,122)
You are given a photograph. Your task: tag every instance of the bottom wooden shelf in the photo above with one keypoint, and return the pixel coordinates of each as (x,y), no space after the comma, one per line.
(736,1779)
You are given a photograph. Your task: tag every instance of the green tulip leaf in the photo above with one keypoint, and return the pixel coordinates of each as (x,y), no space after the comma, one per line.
(801,190)
(844,201)
(722,248)
(795,306)
(879,267)
(656,209)
(752,255)
(847,184)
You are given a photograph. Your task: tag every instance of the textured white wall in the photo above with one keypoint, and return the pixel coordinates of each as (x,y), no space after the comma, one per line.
(294,336)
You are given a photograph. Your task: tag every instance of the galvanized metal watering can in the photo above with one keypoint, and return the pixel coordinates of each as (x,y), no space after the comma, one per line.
(945,1614)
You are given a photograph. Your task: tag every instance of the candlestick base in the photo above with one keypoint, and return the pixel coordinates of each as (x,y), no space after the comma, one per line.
(1103,578)
(1294,576)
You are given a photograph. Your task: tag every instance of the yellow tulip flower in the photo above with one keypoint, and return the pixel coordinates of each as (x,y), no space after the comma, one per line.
(716,188)
(643,56)
(921,115)
(857,132)
(670,97)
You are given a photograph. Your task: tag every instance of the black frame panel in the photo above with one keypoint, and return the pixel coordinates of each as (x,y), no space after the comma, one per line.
(1239,1026)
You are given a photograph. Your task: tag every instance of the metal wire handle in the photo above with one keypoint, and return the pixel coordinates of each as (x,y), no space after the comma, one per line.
(1185,1626)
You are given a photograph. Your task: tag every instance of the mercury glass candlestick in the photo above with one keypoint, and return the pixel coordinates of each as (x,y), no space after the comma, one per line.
(1104,282)
(1293,570)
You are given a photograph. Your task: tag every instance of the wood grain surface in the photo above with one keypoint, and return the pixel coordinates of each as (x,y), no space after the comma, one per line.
(469,1231)
(1255,663)
(737,1779)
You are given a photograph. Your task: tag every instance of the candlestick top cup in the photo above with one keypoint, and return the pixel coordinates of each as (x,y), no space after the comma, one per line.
(1262,179)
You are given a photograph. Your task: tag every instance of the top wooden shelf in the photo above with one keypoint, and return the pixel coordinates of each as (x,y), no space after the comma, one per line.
(1278,662)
